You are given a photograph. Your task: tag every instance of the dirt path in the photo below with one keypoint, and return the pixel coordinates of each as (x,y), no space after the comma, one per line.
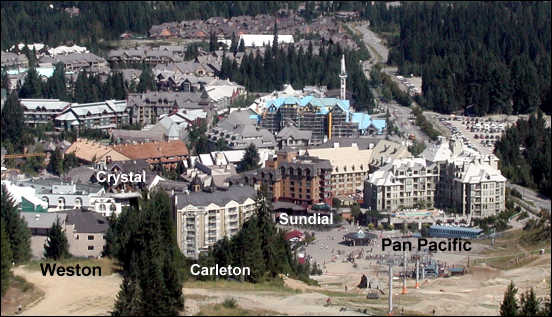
(72,295)
(290,304)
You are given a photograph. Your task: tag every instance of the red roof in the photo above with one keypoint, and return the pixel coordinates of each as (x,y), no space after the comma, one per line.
(293,234)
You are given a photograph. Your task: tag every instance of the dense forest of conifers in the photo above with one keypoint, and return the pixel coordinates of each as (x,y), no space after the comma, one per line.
(494,56)
(525,153)
(278,66)
(36,22)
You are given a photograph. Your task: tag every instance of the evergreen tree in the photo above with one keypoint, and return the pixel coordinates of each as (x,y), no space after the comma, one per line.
(234,44)
(275,41)
(32,87)
(509,306)
(145,245)
(129,299)
(55,165)
(6,259)
(529,303)
(56,86)
(147,81)
(212,42)
(12,126)
(56,246)
(16,228)
(241,48)
(250,159)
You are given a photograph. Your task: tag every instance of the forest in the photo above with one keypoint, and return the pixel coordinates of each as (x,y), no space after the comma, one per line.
(487,57)
(525,154)
(277,66)
(37,22)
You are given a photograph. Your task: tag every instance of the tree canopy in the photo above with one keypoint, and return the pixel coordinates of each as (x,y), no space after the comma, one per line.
(18,233)
(250,159)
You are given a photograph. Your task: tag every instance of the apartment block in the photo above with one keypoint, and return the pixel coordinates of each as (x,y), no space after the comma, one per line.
(350,167)
(300,179)
(448,175)
(203,218)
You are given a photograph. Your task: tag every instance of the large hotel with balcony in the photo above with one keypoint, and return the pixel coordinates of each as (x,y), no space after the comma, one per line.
(447,175)
(203,217)
(299,179)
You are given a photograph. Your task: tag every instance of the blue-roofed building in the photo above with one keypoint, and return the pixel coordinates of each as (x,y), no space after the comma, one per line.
(325,117)
(367,125)
(454,232)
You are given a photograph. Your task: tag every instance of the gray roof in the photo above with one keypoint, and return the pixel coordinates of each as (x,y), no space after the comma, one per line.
(295,133)
(80,174)
(137,135)
(220,198)
(186,100)
(87,221)
(362,143)
(41,220)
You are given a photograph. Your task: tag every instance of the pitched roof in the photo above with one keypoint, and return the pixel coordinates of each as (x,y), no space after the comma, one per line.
(234,193)
(87,150)
(294,133)
(42,220)
(153,149)
(87,221)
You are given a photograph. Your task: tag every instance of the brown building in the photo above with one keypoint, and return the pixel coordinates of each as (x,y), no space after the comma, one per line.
(303,180)
(168,153)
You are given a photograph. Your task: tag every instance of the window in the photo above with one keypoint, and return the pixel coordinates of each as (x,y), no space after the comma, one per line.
(90,247)
(90,237)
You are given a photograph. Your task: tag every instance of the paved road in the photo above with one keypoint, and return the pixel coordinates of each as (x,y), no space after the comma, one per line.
(530,195)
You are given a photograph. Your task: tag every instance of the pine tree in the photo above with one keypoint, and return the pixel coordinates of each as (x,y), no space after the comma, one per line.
(147,82)
(147,249)
(234,44)
(241,48)
(250,159)
(6,259)
(529,303)
(32,87)
(16,228)
(56,246)
(12,120)
(212,42)
(509,306)
(129,299)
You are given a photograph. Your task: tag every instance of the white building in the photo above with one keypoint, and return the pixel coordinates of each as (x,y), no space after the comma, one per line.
(255,40)
(447,175)
(203,218)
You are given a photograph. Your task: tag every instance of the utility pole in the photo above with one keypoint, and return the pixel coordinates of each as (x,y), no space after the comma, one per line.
(404,291)
(417,272)
(390,313)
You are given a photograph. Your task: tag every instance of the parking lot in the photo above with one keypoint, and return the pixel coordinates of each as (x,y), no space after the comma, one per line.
(477,133)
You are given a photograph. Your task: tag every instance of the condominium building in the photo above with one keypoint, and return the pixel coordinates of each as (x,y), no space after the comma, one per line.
(350,167)
(448,175)
(203,218)
(42,111)
(146,108)
(76,62)
(404,183)
(13,60)
(96,115)
(300,179)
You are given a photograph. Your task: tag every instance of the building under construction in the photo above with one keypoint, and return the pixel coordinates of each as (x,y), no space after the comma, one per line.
(325,117)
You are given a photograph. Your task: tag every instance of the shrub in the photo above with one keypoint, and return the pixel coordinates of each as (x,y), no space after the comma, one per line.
(230,303)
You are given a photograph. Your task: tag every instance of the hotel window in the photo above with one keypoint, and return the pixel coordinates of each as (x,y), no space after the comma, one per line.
(90,247)
(90,237)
